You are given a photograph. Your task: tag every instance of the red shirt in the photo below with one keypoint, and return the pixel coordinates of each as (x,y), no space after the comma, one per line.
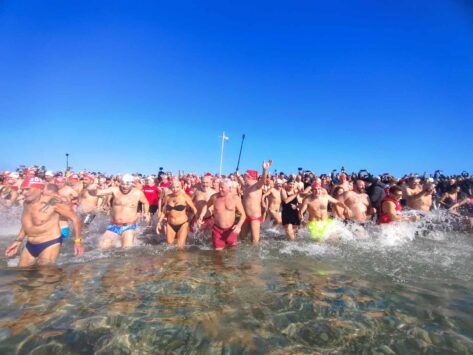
(152,194)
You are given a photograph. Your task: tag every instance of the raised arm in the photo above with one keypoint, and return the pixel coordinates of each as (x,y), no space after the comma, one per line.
(266,165)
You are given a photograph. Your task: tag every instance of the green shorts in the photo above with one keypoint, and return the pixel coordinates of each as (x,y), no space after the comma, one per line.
(319,229)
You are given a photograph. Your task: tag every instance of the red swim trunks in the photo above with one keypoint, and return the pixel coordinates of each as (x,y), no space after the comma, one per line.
(250,219)
(223,237)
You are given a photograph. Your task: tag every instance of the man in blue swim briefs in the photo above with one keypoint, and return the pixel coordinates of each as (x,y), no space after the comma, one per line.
(124,212)
(40,224)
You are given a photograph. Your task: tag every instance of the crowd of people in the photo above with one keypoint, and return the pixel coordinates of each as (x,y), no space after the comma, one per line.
(229,208)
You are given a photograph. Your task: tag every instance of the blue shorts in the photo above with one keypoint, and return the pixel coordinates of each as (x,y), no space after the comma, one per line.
(121,229)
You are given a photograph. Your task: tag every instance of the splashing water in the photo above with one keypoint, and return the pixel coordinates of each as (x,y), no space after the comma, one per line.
(401,288)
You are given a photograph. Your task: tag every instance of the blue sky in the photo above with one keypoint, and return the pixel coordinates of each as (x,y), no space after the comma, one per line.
(131,86)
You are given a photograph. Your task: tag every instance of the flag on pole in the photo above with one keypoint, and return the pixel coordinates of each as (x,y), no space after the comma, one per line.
(226,138)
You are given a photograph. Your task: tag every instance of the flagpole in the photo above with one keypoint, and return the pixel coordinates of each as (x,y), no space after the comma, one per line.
(221,153)
(239,155)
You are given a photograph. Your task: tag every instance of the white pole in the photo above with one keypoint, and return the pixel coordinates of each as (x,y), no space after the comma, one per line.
(221,153)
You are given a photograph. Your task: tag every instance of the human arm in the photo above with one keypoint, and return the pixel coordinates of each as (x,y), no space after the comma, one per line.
(190,203)
(285,198)
(66,211)
(106,191)
(162,207)
(145,203)
(458,204)
(341,204)
(390,208)
(241,210)
(305,204)
(13,248)
(266,165)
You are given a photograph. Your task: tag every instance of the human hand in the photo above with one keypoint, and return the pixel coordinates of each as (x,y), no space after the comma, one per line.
(236,228)
(12,249)
(78,249)
(267,164)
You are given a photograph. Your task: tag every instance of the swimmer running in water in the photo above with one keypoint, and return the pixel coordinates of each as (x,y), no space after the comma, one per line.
(252,197)
(225,204)
(174,209)
(391,208)
(40,224)
(317,206)
(124,212)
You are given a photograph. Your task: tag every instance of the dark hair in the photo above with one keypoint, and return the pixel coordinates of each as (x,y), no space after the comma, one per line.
(394,190)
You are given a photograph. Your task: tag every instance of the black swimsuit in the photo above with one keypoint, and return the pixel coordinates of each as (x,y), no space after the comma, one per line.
(289,214)
(176,227)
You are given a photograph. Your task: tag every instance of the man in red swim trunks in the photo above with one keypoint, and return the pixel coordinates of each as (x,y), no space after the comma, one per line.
(252,196)
(225,204)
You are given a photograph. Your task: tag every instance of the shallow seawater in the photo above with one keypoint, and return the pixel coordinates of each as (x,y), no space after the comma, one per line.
(408,289)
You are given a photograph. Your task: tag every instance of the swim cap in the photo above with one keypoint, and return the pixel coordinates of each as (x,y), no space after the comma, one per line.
(343,177)
(88,177)
(279,182)
(14,175)
(127,179)
(34,182)
(73,177)
(49,173)
(208,174)
(252,174)
(316,185)
(59,180)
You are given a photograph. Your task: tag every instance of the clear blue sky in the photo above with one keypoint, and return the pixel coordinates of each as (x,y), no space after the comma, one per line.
(131,86)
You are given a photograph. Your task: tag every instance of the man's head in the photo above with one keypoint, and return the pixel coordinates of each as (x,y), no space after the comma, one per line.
(59,181)
(413,182)
(206,182)
(150,181)
(251,176)
(278,184)
(316,189)
(32,188)
(395,192)
(224,187)
(216,183)
(73,178)
(360,186)
(127,182)
(49,176)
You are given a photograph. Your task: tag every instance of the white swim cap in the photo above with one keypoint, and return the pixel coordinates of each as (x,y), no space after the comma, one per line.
(127,179)
(49,173)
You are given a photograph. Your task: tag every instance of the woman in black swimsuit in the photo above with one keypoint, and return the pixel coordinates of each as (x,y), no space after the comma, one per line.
(175,211)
